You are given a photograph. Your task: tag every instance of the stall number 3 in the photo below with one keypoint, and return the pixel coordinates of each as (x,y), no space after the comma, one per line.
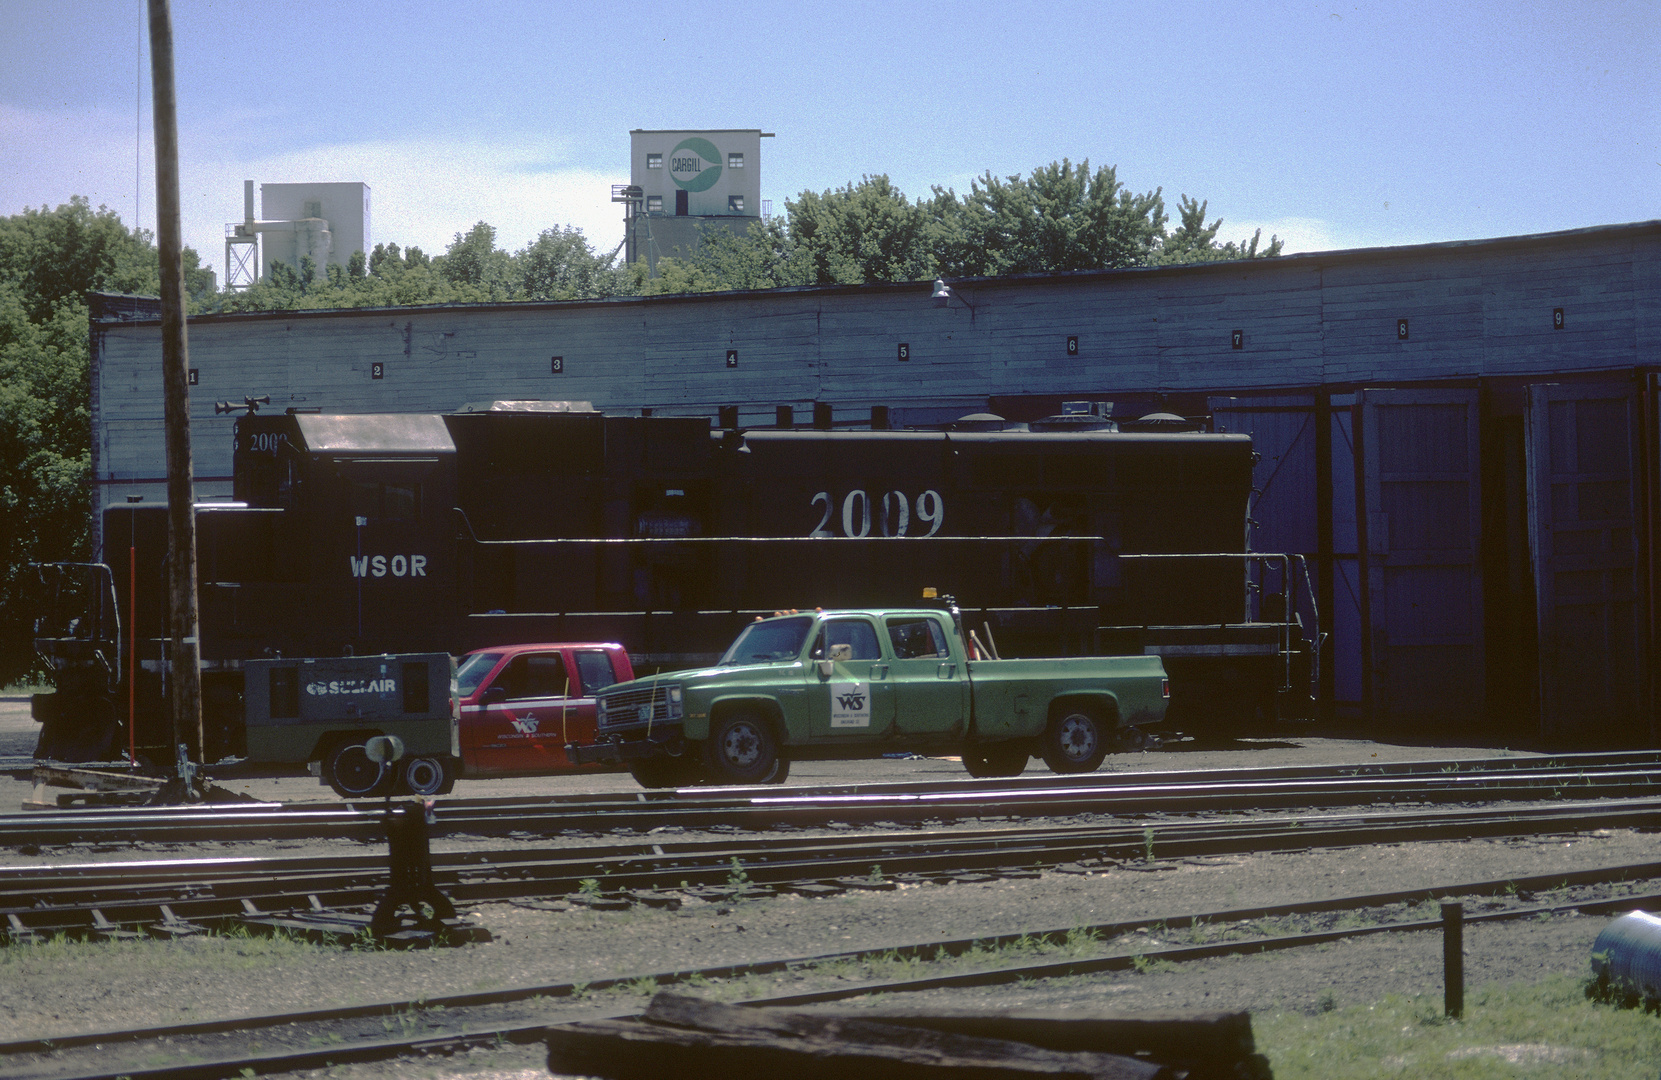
(893,516)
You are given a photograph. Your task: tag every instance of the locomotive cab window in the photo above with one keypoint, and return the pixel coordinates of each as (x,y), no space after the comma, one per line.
(386,501)
(858,634)
(913,638)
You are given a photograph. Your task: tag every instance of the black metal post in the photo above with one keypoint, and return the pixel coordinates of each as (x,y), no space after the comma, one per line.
(1453,959)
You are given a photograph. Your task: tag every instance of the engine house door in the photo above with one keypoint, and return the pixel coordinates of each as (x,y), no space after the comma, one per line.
(1421,499)
(1582,442)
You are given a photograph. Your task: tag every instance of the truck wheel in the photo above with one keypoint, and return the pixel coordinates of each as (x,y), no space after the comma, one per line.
(426,776)
(1075,741)
(741,750)
(353,776)
(987,761)
(665,772)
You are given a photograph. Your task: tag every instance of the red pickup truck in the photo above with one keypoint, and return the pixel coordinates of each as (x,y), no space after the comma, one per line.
(521,704)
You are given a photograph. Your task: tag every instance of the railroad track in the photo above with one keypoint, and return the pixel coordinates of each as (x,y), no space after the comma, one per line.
(1509,779)
(160,896)
(321,1038)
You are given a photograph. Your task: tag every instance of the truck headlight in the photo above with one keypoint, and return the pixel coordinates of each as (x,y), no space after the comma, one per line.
(674,703)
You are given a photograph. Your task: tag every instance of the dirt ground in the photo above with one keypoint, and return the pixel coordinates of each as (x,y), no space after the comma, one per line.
(533,945)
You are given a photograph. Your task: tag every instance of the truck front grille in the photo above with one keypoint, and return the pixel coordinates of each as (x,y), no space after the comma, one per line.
(628,707)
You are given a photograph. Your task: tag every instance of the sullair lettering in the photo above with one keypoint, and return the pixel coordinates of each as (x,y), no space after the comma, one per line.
(352,686)
(382,565)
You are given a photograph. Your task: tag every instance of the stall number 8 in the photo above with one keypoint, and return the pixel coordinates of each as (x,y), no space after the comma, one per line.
(893,514)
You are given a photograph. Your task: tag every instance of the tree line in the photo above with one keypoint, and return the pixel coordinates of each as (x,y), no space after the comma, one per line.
(1060,217)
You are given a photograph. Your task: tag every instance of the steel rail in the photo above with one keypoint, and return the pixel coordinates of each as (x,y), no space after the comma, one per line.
(43,900)
(454,1006)
(1605,776)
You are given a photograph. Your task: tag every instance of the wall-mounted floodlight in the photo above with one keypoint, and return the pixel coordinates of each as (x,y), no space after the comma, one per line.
(946,296)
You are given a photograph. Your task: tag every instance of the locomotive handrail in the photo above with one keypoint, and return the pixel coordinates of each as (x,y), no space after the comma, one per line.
(1287,561)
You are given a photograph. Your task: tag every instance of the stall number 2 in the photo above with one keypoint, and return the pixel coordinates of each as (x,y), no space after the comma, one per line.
(893,513)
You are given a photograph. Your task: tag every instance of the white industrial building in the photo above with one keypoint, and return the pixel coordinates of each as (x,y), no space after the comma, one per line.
(326,223)
(683,183)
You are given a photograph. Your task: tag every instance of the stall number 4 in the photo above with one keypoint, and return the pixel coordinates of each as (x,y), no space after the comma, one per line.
(893,517)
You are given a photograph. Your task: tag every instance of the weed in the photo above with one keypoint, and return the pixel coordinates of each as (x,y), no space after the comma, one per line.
(876,877)
(1328,1001)
(589,887)
(645,986)
(736,877)
(1147,845)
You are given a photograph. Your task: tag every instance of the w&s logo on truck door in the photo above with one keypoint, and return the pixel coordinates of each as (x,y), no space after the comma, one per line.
(850,704)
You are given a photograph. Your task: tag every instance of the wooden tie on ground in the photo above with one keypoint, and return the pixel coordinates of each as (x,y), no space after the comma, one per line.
(681,1035)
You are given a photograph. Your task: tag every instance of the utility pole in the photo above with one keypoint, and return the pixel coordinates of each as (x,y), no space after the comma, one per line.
(185,681)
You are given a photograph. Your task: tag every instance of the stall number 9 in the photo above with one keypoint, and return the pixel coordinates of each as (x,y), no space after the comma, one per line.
(893,513)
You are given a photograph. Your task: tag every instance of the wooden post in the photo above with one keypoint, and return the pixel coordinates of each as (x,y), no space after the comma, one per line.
(185,677)
(1453,959)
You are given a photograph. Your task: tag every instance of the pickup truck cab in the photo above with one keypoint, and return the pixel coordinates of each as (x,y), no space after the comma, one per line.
(860,683)
(521,705)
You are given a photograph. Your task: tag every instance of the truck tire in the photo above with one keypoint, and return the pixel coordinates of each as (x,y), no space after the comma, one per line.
(666,772)
(741,750)
(780,773)
(988,760)
(353,776)
(1075,741)
(426,776)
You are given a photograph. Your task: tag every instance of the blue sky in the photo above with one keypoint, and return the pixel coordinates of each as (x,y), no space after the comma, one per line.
(1333,125)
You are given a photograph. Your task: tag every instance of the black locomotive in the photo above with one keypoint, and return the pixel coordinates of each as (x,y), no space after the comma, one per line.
(357,534)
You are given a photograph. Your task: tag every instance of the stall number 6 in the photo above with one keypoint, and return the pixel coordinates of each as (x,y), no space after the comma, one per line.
(893,514)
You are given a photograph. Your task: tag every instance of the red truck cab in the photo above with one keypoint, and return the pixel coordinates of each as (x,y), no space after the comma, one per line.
(521,704)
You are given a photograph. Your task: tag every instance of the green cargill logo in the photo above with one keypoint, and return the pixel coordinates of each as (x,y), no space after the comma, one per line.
(695,165)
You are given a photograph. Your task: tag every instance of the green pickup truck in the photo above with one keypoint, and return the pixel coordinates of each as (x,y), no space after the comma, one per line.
(848,684)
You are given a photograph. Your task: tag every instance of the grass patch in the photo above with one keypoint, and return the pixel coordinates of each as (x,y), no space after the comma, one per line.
(60,958)
(1543,1029)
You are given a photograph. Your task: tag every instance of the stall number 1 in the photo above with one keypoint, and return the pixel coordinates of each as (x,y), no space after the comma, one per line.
(893,513)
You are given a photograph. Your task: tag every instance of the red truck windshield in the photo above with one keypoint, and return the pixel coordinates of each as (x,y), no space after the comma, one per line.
(473,670)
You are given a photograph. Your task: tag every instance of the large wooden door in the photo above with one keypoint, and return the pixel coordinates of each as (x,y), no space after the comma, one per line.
(1582,446)
(1421,518)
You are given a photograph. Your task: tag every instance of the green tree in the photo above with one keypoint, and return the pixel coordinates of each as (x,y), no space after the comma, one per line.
(1195,241)
(559,265)
(49,260)
(474,260)
(860,234)
(1062,217)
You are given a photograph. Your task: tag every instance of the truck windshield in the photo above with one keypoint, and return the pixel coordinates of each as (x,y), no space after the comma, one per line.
(473,670)
(765,642)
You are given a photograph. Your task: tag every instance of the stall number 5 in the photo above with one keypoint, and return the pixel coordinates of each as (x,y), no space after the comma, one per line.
(893,513)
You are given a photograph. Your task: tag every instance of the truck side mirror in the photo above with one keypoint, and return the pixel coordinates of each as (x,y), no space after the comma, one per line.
(494,695)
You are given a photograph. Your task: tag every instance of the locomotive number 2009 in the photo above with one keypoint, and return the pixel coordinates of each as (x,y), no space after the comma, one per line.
(892,515)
